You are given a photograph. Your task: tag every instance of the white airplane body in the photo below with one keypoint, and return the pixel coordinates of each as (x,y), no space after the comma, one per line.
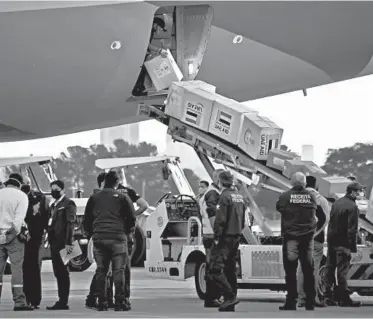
(60,73)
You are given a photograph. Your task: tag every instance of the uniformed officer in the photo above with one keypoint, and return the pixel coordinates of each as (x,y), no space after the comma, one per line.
(229,223)
(298,225)
(342,235)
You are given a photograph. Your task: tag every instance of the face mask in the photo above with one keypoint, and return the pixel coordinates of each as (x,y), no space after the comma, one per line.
(26,188)
(360,195)
(56,194)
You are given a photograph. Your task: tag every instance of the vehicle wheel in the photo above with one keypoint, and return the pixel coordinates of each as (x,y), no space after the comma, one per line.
(199,279)
(138,249)
(8,270)
(80,263)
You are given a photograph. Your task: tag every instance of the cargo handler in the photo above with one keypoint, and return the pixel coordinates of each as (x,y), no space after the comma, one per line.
(298,224)
(229,223)
(208,203)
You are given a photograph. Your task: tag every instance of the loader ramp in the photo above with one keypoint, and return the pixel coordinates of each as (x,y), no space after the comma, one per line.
(236,136)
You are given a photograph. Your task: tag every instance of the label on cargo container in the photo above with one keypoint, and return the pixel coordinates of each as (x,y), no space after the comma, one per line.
(279,162)
(194,112)
(264,139)
(248,137)
(174,98)
(223,122)
(162,70)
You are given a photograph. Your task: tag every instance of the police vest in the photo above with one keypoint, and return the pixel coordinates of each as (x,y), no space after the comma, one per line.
(207,223)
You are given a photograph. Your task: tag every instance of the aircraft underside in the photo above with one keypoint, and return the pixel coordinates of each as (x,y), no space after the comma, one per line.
(69,69)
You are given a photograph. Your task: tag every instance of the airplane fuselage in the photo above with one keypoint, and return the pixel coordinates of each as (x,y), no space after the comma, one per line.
(60,72)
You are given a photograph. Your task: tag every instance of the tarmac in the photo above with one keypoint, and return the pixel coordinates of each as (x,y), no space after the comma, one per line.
(160,298)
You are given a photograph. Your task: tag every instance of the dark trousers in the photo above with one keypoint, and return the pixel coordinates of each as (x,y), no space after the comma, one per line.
(31,272)
(338,258)
(127,278)
(212,292)
(294,249)
(110,282)
(61,272)
(116,252)
(222,268)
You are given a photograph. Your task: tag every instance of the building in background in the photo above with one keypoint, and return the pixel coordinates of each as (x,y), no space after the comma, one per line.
(155,133)
(307,153)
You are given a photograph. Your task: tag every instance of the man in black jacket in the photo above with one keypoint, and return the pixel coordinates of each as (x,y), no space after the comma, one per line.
(298,224)
(61,221)
(91,301)
(31,263)
(323,215)
(342,237)
(109,217)
(228,226)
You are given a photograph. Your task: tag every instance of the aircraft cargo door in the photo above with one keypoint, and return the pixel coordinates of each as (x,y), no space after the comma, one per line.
(193,26)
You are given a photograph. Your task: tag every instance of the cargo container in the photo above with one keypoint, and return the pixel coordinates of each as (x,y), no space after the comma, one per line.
(163,71)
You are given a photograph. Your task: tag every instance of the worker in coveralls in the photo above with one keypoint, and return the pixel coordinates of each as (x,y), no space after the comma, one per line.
(322,214)
(109,216)
(298,224)
(342,237)
(229,223)
(208,202)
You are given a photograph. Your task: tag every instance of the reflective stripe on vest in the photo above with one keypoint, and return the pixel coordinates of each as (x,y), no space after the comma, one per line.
(207,227)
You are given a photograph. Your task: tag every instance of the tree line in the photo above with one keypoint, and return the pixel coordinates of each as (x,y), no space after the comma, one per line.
(77,168)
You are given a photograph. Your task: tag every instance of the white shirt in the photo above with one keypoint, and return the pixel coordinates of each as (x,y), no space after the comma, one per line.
(13,209)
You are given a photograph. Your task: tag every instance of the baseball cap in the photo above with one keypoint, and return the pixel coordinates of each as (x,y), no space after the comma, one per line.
(226,177)
(355,187)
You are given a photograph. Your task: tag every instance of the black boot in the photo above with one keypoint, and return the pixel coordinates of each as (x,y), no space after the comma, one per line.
(348,302)
(229,303)
(212,304)
(102,306)
(121,306)
(345,299)
(289,305)
(91,302)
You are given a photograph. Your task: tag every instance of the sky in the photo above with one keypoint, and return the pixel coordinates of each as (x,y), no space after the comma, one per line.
(332,116)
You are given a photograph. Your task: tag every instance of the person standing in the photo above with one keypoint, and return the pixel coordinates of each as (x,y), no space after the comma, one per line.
(142,205)
(92,297)
(202,188)
(108,218)
(31,264)
(298,224)
(13,208)
(342,237)
(61,220)
(228,226)
(323,215)
(207,204)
